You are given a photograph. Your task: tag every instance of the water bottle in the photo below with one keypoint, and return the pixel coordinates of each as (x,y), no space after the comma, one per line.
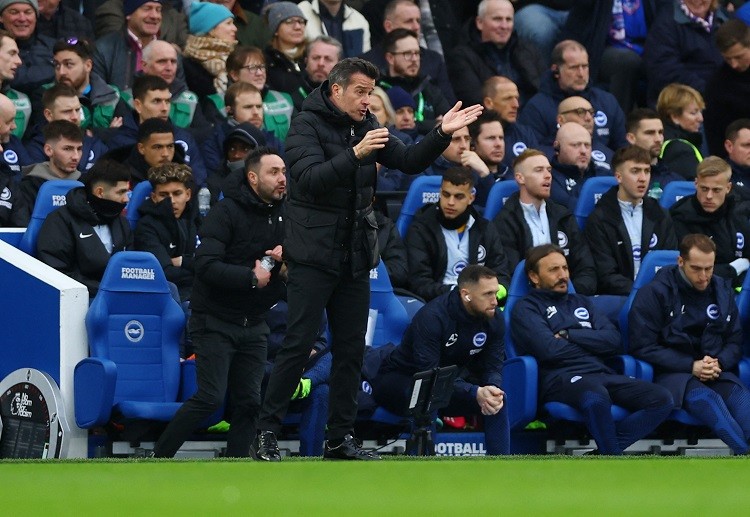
(204,201)
(655,191)
(267,263)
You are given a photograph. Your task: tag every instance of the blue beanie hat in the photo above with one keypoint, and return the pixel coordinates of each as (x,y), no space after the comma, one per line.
(400,98)
(130,6)
(204,16)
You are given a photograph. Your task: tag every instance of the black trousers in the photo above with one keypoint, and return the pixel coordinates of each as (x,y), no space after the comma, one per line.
(346,301)
(230,359)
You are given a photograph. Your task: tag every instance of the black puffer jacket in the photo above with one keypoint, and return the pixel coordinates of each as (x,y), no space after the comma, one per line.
(331,192)
(236,232)
(67,241)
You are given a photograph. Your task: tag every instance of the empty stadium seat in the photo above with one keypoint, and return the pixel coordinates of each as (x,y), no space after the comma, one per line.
(51,196)
(392,318)
(424,190)
(499,194)
(674,191)
(591,191)
(140,193)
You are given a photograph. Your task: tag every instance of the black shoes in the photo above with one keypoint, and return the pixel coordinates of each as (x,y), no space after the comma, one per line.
(348,449)
(265,447)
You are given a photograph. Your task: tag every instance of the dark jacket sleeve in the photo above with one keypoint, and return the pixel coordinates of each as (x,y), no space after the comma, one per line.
(610,279)
(680,158)
(493,362)
(510,237)
(146,238)
(393,253)
(602,340)
(415,158)
(583,272)
(421,259)
(497,260)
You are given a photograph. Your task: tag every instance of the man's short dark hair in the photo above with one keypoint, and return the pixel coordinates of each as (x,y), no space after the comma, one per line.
(153,125)
(147,83)
(486,117)
(237,58)
(537,253)
(630,153)
(109,172)
(170,173)
(6,34)
(731,33)
(696,240)
(459,176)
(391,6)
(635,117)
(237,89)
(252,162)
(735,127)
(58,129)
(79,46)
(473,273)
(55,91)
(342,72)
(393,37)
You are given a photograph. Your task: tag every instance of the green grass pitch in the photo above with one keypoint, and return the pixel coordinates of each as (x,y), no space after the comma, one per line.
(390,488)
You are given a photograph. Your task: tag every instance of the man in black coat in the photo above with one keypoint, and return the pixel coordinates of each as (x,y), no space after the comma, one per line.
(79,238)
(232,293)
(626,224)
(334,144)
(447,236)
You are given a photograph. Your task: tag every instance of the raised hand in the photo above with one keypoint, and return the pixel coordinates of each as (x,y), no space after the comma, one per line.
(457,118)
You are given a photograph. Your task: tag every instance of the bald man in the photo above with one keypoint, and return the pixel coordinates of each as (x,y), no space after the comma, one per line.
(578,109)
(14,154)
(572,164)
(501,95)
(7,184)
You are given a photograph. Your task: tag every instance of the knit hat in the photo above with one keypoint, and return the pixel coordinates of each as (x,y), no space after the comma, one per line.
(247,133)
(400,98)
(204,16)
(32,3)
(130,6)
(280,11)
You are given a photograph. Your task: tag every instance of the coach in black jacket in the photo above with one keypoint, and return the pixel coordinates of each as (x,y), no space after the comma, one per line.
(231,296)
(333,145)
(79,238)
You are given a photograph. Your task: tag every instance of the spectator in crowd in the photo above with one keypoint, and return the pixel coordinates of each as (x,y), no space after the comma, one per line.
(448,235)
(168,224)
(403,107)
(646,130)
(232,294)
(466,319)
(59,21)
(571,342)
(579,110)
(453,156)
(238,144)
(686,324)
(529,218)
(35,49)
(251,30)
(338,20)
(402,54)
(680,46)
(61,102)
(485,157)
(7,180)
(405,14)
(737,145)
(335,258)
(493,48)
(500,94)
(284,55)
(681,110)
(568,76)
(10,61)
(323,52)
(626,224)
(14,154)
(712,211)
(248,65)
(541,23)
(572,164)
(728,90)
(63,144)
(155,146)
(79,238)
(113,16)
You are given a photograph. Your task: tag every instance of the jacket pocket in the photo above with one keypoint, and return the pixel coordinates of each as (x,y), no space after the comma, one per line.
(366,253)
(310,235)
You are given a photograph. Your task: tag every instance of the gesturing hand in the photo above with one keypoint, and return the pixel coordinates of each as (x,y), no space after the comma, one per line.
(374,139)
(457,118)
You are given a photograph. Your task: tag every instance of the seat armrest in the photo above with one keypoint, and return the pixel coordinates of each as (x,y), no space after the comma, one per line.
(520,383)
(188,380)
(94,382)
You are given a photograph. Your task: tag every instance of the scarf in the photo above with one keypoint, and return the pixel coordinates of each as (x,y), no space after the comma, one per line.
(704,24)
(212,54)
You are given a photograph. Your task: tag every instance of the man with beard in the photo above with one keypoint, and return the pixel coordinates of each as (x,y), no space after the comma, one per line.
(646,130)
(485,157)
(321,55)
(572,164)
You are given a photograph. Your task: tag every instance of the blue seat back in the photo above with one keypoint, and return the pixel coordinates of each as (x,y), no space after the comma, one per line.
(140,193)
(134,322)
(591,191)
(499,194)
(50,197)
(743,306)
(652,262)
(392,317)
(424,190)
(674,191)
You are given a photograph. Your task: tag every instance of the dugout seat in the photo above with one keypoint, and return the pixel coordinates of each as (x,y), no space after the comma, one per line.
(392,318)
(140,193)
(674,191)
(591,191)
(499,194)
(51,196)
(424,190)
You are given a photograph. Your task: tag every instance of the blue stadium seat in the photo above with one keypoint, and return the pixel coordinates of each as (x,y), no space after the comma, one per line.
(424,190)
(50,197)
(134,328)
(392,318)
(591,191)
(674,191)
(499,194)
(140,193)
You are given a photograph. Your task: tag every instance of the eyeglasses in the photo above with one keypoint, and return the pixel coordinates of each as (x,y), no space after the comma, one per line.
(255,69)
(408,54)
(580,112)
(294,21)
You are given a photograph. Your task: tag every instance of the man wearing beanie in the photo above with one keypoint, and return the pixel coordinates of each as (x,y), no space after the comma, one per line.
(35,50)
(403,105)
